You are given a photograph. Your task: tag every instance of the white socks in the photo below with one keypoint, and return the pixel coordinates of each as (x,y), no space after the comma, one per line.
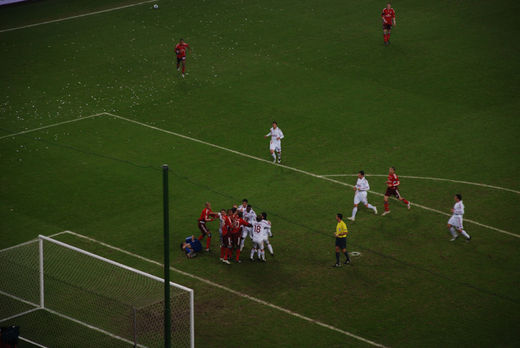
(253,251)
(370,206)
(465,234)
(274,156)
(453,232)
(354,211)
(269,246)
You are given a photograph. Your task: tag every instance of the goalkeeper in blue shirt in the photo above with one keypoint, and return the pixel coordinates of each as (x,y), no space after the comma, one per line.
(191,246)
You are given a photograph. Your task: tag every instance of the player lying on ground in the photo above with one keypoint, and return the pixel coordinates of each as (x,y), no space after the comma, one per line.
(361,188)
(393,190)
(275,146)
(180,51)
(341,240)
(388,17)
(455,222)
(191,246)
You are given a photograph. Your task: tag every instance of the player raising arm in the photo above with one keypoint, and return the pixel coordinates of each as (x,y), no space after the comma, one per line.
(275,146)
(388,17)
(180,51)
(455,222)
(361,188)
(393,190)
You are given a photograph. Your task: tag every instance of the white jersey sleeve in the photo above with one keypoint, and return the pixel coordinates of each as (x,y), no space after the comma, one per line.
(362,185)
(267,228)
(280,133)
(458,208)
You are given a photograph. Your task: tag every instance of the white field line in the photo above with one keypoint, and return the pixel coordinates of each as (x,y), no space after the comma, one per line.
(222,287)
(19,299)
(77,16)
(91,327)
(326,178)
(433,179)
(50,126)
(19,314)
(31,342)
(298,170)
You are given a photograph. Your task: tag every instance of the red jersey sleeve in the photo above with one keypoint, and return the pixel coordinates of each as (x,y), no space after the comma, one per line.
(205,215)
(393,180)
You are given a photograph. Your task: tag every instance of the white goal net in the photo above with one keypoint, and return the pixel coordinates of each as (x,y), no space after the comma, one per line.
(61,295)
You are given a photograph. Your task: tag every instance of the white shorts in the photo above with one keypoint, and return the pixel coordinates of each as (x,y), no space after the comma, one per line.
(456,221)
(275,146)
(360,196)
(246,231)
(258,243)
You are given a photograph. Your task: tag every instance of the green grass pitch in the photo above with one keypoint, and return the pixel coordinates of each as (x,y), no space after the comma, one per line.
(441,101)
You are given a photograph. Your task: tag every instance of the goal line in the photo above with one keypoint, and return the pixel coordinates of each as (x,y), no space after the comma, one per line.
(95,292)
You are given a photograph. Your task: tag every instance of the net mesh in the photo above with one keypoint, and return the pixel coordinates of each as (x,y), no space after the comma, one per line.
(116,304)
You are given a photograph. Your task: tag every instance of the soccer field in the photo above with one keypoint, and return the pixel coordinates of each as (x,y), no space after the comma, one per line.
(92,106)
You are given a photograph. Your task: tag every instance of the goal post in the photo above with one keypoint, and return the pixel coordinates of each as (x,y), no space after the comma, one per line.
(47,278)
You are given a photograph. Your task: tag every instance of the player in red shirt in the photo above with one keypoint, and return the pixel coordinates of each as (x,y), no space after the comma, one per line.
(236,234)
(226,237)
(180,50)
(393,190)
(206,216)
(388,17)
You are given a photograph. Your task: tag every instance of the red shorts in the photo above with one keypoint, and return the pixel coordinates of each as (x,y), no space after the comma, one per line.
(203,228)
(392,191)
(226,240)
(387,26)
(234,239)
(180,59)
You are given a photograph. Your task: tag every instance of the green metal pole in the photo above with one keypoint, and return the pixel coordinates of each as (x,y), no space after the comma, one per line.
(167,319)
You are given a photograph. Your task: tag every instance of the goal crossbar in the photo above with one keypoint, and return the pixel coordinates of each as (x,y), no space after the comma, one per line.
(42,306)
(104,259)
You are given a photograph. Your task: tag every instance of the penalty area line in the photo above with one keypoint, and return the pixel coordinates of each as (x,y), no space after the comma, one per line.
(50,126)
(225,288)
(433,179)
(297,170)
(77,16)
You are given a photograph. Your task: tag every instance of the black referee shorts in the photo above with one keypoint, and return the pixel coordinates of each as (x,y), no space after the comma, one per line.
(341,243)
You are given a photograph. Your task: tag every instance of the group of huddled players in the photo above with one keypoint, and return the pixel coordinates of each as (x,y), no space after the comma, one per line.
(236,224)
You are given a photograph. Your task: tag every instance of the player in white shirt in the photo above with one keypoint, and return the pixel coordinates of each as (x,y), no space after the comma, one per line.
(250,216)
(242,207)
(275,145)
(361,188)
(259,236)
(268,233)
(455,222)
